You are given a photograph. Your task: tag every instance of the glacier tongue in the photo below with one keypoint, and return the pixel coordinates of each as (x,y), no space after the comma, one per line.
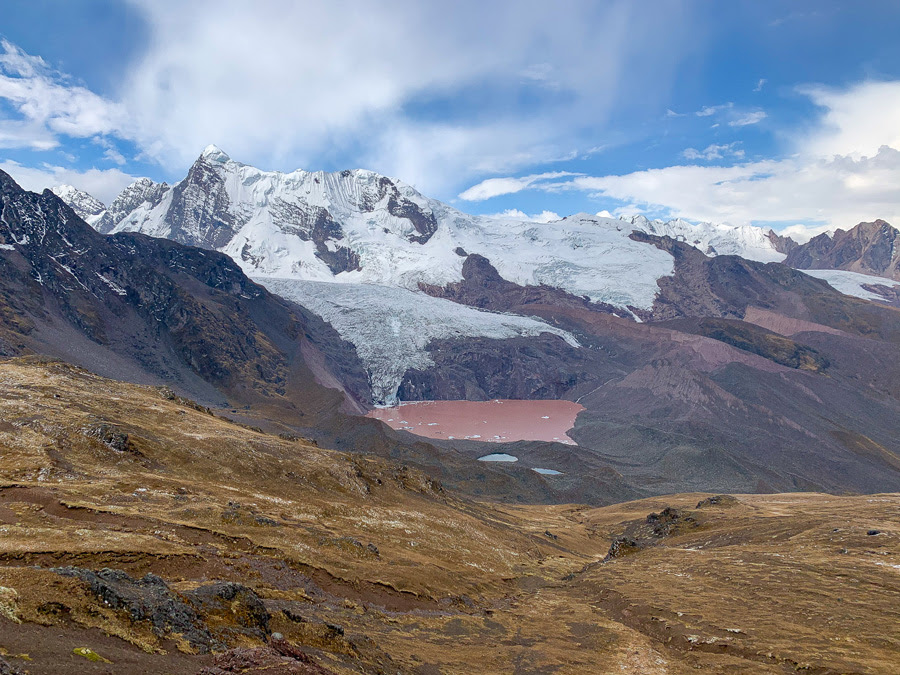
(391,328)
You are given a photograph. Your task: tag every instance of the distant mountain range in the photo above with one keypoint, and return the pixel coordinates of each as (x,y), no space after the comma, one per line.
(335,226)
(698,368)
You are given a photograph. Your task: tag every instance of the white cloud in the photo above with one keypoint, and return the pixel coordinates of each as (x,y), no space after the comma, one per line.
(710,110)
(714,151)
(734,116)
(433,156)
(114,156)
(105,185)
(48,105)
(282,84)
(803,233)
(760,84)
(746,119)
(857,121)
(516,214)
(845,170)
(494,187)
(839,192)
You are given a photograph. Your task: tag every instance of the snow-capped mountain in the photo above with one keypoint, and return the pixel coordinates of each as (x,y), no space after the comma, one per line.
(143,193)
(359,227)
(747,241)
(88,208)
(362,227)
(743,376)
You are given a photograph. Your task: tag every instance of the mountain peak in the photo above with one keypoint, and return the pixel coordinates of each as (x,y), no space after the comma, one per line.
(88,207)
(215,154)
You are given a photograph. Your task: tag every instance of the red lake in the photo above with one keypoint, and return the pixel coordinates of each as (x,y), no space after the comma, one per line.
(496,421)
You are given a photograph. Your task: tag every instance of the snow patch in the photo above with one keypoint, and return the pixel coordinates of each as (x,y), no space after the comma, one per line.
(114,287)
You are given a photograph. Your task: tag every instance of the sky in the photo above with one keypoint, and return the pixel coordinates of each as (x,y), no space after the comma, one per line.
(780,114)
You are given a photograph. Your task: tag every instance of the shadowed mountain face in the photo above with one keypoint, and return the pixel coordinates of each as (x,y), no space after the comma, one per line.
(150,310)
(869,248)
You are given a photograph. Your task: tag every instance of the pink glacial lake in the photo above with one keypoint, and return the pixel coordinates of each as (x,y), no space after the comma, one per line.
(496,421)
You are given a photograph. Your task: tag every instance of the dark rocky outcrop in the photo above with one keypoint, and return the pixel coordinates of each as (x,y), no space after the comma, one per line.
(756,340)
(7,669)
(200,213)
(722,286)
(722,501)
(209,617)
(148,599)
(643,534)
(424,222)
(315,224)
(237,609)
(479,369)
(484,288)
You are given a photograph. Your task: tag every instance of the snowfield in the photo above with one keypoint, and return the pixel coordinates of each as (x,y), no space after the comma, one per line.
(851,283)
(392,327)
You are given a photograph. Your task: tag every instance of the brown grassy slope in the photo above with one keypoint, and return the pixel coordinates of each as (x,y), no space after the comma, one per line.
(374,568)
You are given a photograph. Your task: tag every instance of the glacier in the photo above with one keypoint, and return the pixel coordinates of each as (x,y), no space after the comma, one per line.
(391,327)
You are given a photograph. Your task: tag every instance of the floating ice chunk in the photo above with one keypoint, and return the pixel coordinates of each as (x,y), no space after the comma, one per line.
(498,457)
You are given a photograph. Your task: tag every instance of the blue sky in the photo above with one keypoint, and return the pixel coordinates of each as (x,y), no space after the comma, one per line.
(775,113)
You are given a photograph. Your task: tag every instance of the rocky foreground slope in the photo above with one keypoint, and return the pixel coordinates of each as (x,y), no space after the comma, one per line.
(140,533)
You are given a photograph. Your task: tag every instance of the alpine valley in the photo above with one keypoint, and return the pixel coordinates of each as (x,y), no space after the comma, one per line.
(193,478)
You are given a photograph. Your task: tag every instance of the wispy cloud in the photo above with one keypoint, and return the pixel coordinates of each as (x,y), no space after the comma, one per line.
(746,119)
(48,105)
(495,187)
(759,85)
(710,110)
(714,151)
